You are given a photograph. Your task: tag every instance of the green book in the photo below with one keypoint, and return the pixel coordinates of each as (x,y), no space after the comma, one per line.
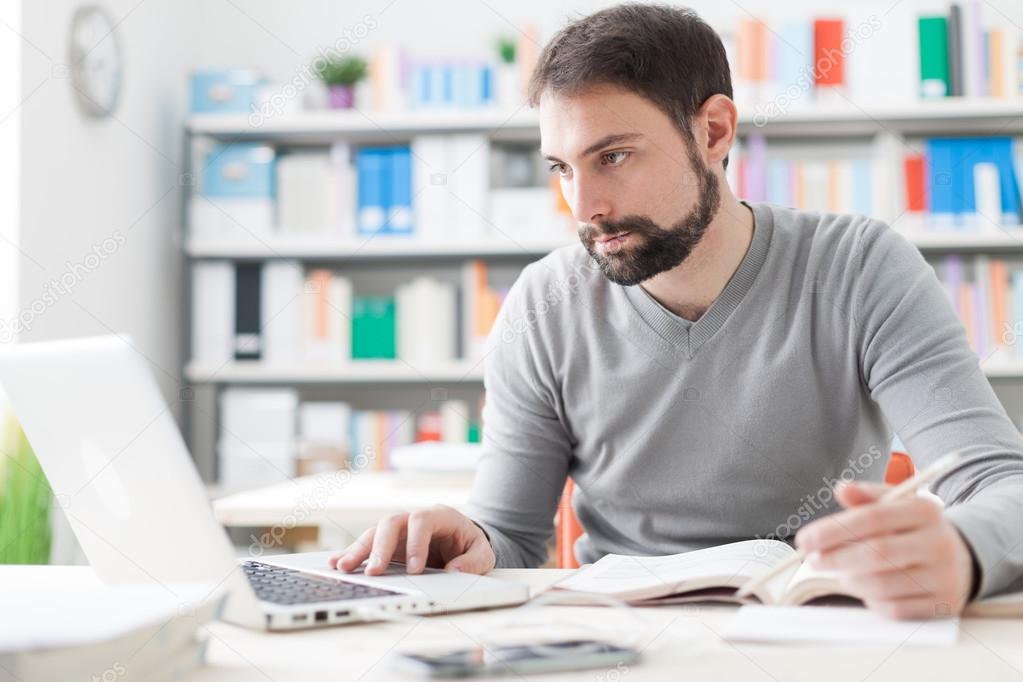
(934,71)
(373,328)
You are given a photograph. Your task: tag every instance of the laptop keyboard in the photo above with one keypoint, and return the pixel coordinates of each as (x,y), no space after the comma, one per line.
(288,586)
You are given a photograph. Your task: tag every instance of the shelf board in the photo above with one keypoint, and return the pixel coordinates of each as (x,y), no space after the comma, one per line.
(395,372)
(358,372)
(1003,369)
(371,249)
(811,119)
(1010,238)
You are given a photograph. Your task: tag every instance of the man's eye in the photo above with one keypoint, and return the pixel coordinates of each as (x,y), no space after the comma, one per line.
(624,156)
(554,167)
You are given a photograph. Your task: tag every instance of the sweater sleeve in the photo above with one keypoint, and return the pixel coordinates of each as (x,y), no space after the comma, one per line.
(526,445)
(919,368)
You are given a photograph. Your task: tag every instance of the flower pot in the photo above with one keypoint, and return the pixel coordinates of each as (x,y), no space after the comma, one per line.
(341,96)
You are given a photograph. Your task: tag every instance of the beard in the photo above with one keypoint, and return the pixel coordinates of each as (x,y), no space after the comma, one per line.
(656,249)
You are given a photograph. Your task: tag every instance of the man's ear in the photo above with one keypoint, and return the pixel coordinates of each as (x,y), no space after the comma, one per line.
(716,120)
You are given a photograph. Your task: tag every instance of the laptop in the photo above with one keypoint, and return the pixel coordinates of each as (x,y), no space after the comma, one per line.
(121,472)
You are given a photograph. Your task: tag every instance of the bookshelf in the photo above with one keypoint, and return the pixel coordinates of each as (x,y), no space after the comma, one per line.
(350,373)
(978,115)
(832,124)
(372,249)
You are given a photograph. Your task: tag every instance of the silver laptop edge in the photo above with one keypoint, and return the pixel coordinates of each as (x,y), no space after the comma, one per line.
(121,472)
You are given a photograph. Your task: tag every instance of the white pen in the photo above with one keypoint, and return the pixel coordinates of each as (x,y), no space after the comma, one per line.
(943,465)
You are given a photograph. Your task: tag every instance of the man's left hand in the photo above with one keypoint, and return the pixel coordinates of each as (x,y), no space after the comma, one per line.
(903,558)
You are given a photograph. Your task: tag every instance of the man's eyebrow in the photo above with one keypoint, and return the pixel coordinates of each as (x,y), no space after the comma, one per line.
(600,144)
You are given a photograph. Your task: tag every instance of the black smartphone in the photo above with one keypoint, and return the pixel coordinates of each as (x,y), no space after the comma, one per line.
(519,659)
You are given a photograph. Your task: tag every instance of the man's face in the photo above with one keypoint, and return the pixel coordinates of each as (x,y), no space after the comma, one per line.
(639,189)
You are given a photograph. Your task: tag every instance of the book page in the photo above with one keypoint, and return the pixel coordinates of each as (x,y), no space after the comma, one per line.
(836,625)
(725,565)
(809,583)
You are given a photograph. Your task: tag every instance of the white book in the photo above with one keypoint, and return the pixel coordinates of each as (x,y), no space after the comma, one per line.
(426,322)
(430,168)
(469,185)
(342,194)
(324,421)
(245,221)
(304,182)
(524,213)
(243,466)
(438,457)
(213,312)
(987,197)
(886,176)
(250,415)
(454,421)
(327,317)
(281,303)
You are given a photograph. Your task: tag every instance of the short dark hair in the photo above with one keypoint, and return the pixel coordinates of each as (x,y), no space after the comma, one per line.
(669,55)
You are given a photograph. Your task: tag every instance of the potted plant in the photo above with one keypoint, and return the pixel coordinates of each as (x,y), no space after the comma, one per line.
(340,74)
(508,85)
(24,499)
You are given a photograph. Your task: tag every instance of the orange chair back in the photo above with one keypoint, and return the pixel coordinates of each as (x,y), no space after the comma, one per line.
(567,529)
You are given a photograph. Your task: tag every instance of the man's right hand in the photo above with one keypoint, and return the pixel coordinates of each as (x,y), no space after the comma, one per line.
(438,537)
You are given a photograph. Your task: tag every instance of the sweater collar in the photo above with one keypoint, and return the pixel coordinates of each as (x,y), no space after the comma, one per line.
(690,336)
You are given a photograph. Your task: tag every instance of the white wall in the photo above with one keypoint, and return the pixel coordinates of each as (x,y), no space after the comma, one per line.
(10,158)
(85,180)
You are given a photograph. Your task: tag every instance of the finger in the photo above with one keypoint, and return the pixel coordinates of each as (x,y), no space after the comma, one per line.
(390,533)
(479,558)
(866,521)
(914,608)
(355,553)
(891,585)
(854,493)
(878,554)
(417,542)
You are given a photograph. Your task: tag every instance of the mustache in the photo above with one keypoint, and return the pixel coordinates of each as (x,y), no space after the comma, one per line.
(638,224)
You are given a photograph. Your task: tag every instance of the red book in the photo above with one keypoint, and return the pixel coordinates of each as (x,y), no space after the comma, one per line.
(913,169)
(828,59)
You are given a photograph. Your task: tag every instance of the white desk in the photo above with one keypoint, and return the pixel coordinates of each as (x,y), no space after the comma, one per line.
(343,504)
(679,643)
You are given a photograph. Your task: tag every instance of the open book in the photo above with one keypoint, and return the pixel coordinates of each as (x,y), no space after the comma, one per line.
(712,574)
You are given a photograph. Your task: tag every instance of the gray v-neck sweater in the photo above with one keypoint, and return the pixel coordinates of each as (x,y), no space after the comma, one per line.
(832,333)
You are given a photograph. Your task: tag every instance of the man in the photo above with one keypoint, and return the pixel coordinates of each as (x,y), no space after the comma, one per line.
(704,368)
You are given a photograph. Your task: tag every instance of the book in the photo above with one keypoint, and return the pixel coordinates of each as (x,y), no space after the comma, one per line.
(280,310)
(373,328)
(934,67)
(248,279)
(999,606)
(213,303)
(711,574)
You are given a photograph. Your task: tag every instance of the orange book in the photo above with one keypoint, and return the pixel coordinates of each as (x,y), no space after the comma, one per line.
(996,77)
(833,189)
(752,50)
(798,186)
(999,301)
(321,282)
(828,58)
(966,312)
(914,174)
